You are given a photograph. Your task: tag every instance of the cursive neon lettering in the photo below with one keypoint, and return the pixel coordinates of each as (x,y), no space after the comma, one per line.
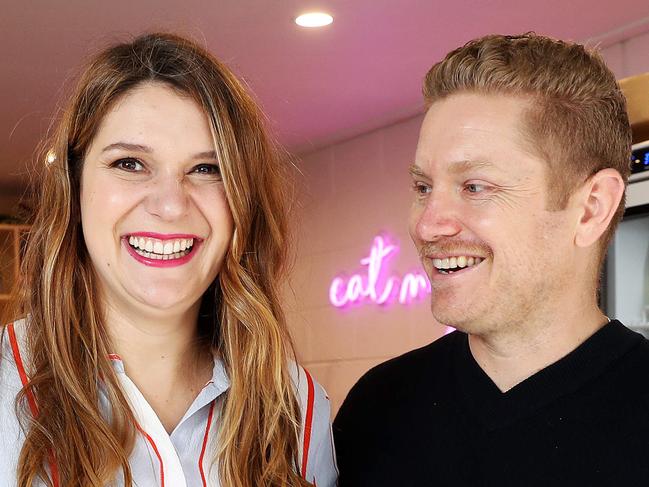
(355,288)
(374,285)
(334,293)
(411,286)
(374,262)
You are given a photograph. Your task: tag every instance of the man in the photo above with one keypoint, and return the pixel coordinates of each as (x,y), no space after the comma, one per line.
(519,183)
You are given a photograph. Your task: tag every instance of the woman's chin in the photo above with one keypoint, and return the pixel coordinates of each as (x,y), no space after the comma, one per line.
(164,301)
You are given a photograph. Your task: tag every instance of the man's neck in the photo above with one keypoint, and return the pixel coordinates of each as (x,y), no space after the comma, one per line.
(512,355)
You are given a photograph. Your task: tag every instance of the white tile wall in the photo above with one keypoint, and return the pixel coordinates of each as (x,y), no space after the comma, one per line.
(370,194)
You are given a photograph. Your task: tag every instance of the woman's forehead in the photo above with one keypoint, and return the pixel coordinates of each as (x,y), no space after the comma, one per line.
(154,115)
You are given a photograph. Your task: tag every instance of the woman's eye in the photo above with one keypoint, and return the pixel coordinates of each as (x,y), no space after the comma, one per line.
(209,169)
(128,164)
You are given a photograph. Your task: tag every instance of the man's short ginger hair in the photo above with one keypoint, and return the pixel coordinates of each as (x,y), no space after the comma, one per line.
(577,120)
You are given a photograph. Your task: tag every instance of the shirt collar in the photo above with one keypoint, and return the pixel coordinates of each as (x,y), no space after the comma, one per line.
(217,385)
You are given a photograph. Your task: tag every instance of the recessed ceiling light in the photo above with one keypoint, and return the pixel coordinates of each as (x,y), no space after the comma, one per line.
(314,19)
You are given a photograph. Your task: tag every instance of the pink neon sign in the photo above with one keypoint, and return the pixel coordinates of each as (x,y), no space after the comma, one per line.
(375,285)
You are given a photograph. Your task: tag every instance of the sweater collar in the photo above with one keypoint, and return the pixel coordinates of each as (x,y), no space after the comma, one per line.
(495,409)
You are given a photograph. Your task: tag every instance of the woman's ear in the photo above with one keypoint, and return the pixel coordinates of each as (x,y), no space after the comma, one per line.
(599,200)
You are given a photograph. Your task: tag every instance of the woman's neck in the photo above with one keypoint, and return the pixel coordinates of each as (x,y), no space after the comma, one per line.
(163,357)
(141,339)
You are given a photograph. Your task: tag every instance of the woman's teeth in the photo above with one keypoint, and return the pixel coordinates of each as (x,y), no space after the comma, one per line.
(451,264)
(152,248)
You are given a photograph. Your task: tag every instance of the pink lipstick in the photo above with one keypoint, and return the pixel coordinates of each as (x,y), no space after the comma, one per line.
(161,250)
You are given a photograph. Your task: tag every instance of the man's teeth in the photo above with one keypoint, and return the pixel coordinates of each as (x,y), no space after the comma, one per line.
(159,249)
(452,264)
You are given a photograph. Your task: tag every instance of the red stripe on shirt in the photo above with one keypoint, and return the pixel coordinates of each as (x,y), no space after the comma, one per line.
(15,350)
(54,470)
(308,421)
(157,453)
(207,433)
(21,369)
(115,357)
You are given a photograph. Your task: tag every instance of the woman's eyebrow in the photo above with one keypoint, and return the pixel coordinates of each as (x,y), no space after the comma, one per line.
(208,154)
(127,146)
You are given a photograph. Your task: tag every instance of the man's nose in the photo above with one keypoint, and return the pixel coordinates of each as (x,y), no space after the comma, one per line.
(168,197)
(437,217)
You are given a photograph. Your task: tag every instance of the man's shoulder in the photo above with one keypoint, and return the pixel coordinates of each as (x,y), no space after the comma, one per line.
(635,362)
(626,345)
(428,364)
(641,350)
(613,363)
(393,393)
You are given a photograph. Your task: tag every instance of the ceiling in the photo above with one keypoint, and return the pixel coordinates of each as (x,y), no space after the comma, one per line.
(316,86)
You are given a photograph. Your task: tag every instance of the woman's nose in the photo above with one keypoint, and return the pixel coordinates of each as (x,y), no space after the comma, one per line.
(168,198)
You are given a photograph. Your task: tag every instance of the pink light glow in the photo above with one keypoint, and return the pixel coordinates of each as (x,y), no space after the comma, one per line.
(374,285)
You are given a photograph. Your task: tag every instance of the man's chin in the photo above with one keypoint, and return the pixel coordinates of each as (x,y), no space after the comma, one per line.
(458,319)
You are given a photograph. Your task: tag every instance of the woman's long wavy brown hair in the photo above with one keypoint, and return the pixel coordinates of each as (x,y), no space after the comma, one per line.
(67,340)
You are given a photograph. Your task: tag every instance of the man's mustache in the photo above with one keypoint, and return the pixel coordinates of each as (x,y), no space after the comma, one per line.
(454,247)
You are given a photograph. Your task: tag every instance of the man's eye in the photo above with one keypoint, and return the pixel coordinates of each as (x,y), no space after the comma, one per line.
(209,169)
(474,188)
(128,164)
(420,188)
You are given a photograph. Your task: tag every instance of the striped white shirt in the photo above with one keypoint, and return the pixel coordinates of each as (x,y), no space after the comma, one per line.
(159,459)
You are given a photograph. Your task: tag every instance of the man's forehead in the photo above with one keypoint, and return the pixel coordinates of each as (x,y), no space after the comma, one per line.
(456,166)
(482,115)
(469,131)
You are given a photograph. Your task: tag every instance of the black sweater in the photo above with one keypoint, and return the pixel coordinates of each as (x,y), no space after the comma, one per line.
(433,417)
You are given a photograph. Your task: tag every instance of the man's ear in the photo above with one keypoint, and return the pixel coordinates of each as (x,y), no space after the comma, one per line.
(598,198)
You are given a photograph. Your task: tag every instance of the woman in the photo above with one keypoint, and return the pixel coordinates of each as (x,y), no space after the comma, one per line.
(154,350)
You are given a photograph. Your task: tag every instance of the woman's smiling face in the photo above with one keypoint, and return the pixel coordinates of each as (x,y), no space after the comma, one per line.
(154,212)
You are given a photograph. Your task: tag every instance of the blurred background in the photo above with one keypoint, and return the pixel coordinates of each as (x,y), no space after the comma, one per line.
(344,99)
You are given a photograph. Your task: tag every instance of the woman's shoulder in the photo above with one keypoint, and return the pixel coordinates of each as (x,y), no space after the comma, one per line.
(13,344)
(317,457)
(311,395)
(13,358)
(11,434)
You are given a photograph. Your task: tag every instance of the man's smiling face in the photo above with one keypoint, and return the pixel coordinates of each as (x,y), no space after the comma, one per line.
(493,251)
